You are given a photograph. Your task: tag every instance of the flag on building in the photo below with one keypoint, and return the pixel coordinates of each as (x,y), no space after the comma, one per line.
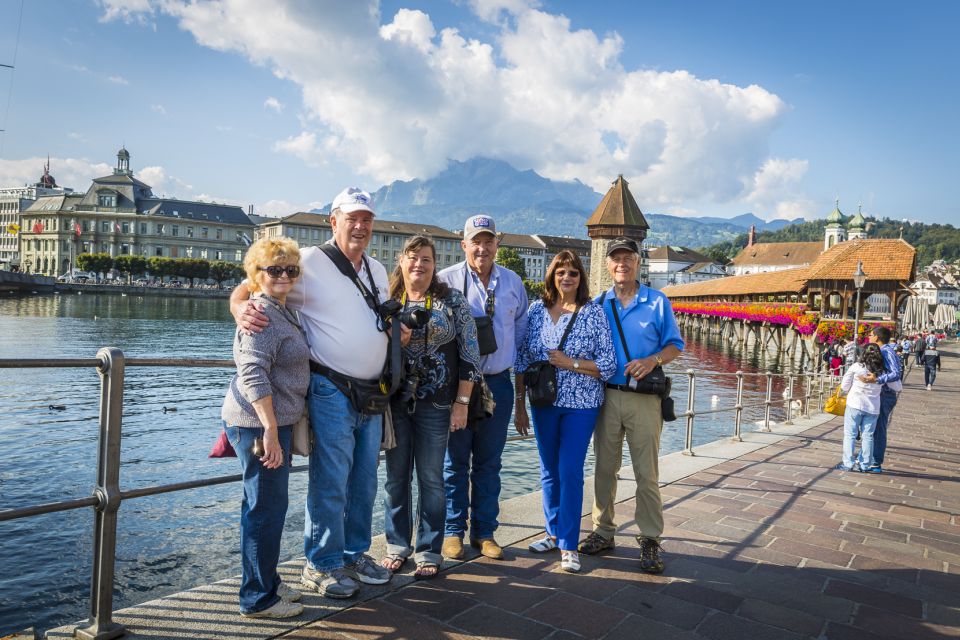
(38,227)
(246,239)
(76,228)
(13,228)
(116,226)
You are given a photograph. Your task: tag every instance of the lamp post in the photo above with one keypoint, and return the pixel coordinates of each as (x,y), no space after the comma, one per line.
(859,279)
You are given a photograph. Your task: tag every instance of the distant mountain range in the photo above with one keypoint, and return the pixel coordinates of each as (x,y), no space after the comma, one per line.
(526,202)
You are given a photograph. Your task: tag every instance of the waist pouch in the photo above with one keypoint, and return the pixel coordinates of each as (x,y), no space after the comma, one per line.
(366,396)
(486,340)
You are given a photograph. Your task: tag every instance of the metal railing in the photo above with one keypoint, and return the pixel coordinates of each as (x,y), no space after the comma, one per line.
(107,497)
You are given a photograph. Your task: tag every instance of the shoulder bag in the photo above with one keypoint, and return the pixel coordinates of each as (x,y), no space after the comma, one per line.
(836,404)
(486,339)
(540,377)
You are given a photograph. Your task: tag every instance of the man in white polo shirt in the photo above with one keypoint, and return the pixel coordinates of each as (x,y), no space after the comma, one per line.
(347,339)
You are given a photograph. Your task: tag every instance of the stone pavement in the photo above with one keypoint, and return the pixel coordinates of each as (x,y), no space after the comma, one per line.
(774,544)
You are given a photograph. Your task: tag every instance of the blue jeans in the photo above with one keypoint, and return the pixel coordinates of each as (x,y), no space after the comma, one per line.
(343,478)
(262,514)
(858,422)
(471,472)
(421,443)
(563,436)
(929,374)
(888,400)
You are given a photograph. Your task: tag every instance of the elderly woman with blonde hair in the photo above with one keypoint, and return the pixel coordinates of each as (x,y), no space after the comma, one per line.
(265,398)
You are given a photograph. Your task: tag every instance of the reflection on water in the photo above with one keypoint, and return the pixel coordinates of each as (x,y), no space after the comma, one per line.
(176,541)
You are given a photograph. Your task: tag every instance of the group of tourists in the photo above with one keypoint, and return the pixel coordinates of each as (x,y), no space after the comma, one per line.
(923,346)
(418,363)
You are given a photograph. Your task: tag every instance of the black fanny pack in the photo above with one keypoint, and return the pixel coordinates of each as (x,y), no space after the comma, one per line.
(366,396)
(486,340)
(540,378)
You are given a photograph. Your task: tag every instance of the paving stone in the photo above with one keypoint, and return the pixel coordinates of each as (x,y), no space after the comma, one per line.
(634,627)
(891,625)
(723,626)
(875,598)
(779,616)
(487,621)
(379,619)
(496,589)
(655,606)
(579,615)
(431,601)
(703,596)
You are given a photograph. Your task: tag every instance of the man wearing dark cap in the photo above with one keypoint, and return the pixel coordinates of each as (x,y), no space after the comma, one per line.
(645,337)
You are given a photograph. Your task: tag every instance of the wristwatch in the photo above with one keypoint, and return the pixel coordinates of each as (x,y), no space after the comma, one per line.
(463,400)
(658,359)
(576,365)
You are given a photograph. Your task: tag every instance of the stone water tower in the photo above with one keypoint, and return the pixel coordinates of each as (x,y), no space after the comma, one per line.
(617,215)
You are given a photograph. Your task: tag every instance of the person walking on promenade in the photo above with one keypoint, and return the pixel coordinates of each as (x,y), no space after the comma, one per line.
(570,331)
(472,467)
(849,352)
(863,407)
(265,398)
(348,345)
(919,344)
(836,357)
(890,387)
(931,364)
(632,409)
(442,364)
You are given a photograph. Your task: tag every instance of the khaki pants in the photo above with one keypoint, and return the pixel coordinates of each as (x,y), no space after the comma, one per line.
(636,417)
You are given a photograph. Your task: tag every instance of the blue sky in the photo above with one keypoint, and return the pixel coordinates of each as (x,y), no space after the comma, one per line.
(710,108)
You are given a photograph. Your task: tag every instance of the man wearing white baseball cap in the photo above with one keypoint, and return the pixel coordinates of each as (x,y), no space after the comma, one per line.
(348,348)
(471,473)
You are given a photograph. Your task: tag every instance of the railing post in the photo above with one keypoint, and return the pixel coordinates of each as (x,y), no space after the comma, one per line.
(789,402)
(738,416)
(768,402)
(101,626)
(807,392)
(691,393)
(820,378)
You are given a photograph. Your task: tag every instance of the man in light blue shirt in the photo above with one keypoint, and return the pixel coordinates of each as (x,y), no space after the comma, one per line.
(632,410)
(472,467)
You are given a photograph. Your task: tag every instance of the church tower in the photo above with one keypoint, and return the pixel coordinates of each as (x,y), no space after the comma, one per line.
(834,233)
(857,228)
(617,215)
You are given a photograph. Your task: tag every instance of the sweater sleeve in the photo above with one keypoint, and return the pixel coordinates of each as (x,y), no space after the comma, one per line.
(254,357)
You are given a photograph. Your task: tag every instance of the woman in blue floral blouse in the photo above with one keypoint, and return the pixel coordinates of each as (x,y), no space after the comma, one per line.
(563,430)
(444,359)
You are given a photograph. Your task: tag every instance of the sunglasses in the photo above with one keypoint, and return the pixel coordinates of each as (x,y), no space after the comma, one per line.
(275,271)
(573,273)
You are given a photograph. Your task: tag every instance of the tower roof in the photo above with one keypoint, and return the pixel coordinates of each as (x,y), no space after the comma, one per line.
(618,209)
(835,216)
(858,221)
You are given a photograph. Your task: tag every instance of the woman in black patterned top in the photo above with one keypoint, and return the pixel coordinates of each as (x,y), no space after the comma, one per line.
(443,357)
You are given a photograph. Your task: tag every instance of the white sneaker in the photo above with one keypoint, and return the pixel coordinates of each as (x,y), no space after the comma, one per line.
(282,609)
(570,561)
(543,546)
(288,593)
(929,387)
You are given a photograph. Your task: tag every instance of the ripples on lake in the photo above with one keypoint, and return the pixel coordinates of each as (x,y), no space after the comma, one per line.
(176,541)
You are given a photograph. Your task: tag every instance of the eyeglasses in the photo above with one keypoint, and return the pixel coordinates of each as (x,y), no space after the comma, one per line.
(275,271)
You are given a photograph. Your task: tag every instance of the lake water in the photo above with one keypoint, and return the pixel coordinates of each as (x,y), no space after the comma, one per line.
(176,541)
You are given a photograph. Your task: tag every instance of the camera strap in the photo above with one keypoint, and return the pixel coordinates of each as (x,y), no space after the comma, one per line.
(371,296)
(488,307)
(429,307)
(616,318)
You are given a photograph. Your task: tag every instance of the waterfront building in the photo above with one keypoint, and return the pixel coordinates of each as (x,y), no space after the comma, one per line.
(618,214)
(531,251)
(763,257)
(834,232)
(680,265)
(385,244)
(935,289)
(119,215)
(13,201)
(552,245)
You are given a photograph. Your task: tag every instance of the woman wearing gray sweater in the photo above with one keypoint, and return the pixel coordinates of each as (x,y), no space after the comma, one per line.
(265,398)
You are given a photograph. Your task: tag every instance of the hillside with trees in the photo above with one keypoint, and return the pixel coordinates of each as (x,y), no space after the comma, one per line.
(932,241)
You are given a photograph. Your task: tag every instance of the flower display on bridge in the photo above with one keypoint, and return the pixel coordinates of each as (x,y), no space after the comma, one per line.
(829,331)
(780,313)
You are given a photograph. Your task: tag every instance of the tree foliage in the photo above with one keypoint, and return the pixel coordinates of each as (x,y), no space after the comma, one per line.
(130,265)
(509,259)
(221,270)
(534,289)
(95,262)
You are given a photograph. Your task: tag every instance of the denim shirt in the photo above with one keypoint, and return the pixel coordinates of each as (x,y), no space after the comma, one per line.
(589,339)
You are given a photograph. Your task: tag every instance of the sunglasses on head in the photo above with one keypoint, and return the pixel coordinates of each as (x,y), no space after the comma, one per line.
(275,271)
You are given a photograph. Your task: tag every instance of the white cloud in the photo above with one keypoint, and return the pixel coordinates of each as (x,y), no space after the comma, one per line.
(775,190)
(158,109)
(117,79)
(281,208)
(129,11)
(75,173)
(164,184)
(273,104)
(406,96)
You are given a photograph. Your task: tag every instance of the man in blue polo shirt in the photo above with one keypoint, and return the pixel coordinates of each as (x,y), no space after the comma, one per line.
(649,338)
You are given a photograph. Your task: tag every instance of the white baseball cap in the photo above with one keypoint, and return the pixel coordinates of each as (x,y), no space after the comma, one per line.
(479,224)
(353,199)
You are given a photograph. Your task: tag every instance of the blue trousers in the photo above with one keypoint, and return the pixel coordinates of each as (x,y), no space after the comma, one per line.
(421,443)
(563,436)
(929,374)
(262,514)
(471,473)
(858,422)
(343,478)
(888,400)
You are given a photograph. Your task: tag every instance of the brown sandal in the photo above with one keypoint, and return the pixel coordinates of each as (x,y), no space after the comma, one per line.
(426,571)
(393,562)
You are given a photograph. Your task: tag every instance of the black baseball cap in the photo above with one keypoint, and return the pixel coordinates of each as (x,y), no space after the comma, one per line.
(622,243)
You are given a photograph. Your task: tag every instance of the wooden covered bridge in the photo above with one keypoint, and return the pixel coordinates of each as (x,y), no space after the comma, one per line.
(790,308)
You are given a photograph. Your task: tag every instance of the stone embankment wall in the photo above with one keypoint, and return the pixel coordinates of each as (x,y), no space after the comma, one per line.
(132,290)
(10,281)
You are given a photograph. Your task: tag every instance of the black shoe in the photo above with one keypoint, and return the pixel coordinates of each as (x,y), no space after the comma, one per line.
(650,561)
(594,544)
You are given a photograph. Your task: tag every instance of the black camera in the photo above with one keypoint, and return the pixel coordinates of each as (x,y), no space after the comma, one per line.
(412,318)
(408,387)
